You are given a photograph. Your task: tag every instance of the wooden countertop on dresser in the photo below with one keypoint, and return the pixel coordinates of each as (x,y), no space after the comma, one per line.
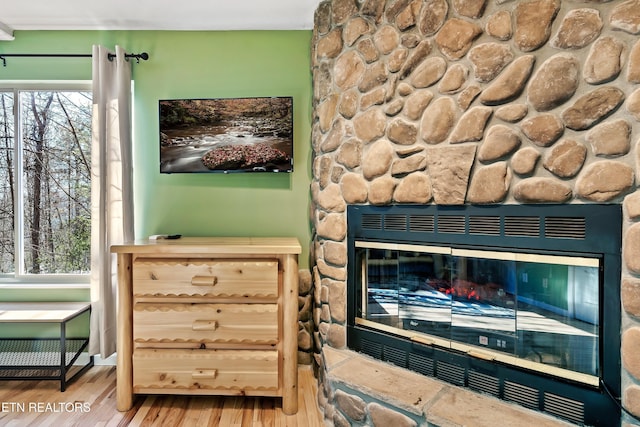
(229,245)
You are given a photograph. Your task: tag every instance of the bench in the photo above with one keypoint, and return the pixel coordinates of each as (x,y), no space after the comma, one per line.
(42,358)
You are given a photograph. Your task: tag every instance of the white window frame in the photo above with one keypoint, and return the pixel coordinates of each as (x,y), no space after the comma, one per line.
(19,278)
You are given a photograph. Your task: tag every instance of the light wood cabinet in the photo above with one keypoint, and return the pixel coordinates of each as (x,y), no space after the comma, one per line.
(206,315)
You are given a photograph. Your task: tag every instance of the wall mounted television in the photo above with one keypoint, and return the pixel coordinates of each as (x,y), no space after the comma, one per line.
(226,135)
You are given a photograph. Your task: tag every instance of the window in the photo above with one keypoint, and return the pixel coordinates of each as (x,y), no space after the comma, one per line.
(45,183)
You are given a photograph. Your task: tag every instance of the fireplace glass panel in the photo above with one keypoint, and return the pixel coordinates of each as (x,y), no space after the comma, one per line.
(484,308)
(558,315)
(536,310)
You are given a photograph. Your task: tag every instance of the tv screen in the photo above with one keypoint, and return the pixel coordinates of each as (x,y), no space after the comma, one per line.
(226,135)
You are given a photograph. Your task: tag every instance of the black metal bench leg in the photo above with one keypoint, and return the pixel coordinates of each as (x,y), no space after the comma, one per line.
(63,356)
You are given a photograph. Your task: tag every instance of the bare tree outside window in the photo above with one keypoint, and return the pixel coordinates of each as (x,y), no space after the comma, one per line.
(50,152)
(7,184)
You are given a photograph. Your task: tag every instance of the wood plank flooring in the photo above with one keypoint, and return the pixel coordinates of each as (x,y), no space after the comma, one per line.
(91,401)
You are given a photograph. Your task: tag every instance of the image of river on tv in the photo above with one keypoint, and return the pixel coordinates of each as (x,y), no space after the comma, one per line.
(226,135)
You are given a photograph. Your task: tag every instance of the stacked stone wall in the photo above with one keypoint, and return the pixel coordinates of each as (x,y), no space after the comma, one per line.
(474,102)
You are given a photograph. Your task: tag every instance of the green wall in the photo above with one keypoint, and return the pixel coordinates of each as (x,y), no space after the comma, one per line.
(198,65)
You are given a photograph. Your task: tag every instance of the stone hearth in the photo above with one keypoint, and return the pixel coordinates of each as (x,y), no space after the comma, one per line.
(368,392)
(471,102)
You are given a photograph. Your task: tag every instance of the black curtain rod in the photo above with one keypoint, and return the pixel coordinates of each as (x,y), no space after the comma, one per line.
(138,56)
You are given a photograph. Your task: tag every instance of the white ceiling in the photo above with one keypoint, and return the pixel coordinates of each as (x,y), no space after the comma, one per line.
(157,14)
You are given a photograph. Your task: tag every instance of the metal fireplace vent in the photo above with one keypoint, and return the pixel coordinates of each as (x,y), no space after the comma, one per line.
(421,364)
(394,355)
(454,224)
(479,223)
(422,223)
(484,225)
(372,222)
(562,407)
(523,226)
(395,222)
(484,383)
(521,394)
(565,228)
(450,373)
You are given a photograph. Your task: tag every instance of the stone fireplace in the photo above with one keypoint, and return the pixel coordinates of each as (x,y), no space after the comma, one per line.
(467,103)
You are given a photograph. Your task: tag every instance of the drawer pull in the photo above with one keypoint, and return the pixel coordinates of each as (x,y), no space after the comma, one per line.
(204,280)
(204,325)
(204,374)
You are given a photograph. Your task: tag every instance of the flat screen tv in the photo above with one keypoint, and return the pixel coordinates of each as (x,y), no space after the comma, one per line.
(226,135)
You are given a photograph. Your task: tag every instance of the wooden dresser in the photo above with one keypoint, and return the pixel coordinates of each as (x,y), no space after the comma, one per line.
(208,315)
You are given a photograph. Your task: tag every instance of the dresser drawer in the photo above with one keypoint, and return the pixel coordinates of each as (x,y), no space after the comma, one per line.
(205,323)
(205,277)
(236,371)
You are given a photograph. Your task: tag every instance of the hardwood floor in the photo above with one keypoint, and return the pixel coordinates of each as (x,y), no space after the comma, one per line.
(91,401)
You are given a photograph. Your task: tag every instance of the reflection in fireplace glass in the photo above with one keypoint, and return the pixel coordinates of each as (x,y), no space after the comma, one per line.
(536,308)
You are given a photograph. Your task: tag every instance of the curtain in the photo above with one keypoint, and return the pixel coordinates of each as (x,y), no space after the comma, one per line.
(111,189)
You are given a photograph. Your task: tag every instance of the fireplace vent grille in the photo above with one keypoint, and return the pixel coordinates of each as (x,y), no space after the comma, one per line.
(484,225)
(422,223)
(397,222)
(372,221)
(372,348)
(452,224)
(450,373)
(394,355)
(484,383)
(565,228)
(564,408)
(421,364)
(525,396)
(522,226)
